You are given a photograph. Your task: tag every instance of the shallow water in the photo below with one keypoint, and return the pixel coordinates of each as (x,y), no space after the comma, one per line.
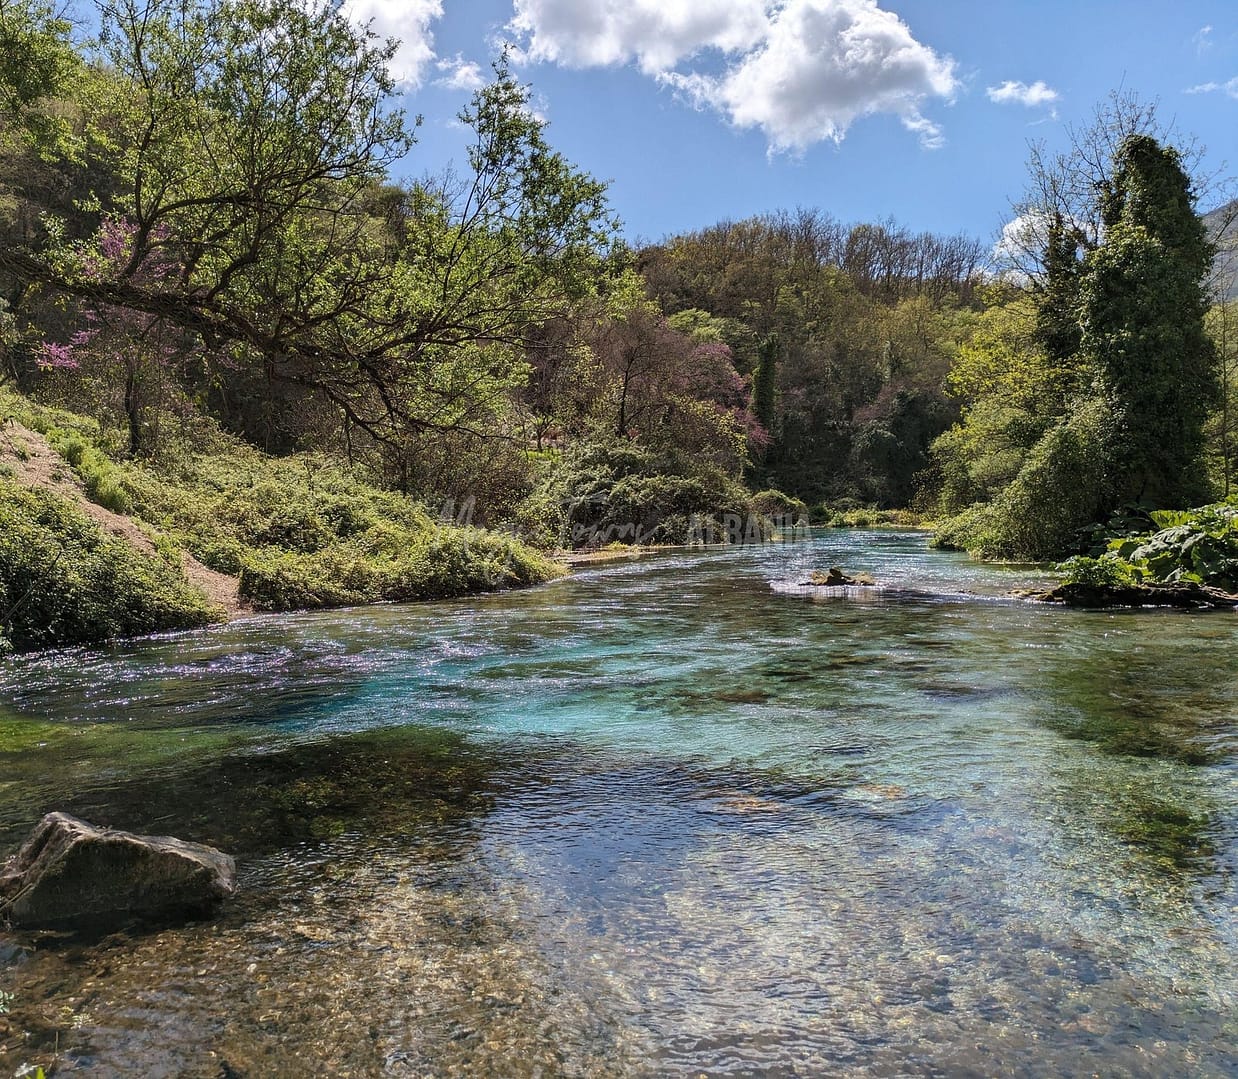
(669,817)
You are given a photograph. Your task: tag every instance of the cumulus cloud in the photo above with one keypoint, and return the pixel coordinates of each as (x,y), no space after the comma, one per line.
(801,71)
(656,34)
(1020,93)
(1024,234)
(1024,239)
(1230,89)
(460,74)
(409,22)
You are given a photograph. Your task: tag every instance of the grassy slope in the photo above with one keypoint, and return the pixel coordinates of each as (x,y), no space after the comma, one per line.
(299,531)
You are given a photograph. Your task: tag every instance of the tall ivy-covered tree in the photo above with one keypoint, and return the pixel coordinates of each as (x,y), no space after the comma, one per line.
(765,380)
(1142,307)
(1057,295)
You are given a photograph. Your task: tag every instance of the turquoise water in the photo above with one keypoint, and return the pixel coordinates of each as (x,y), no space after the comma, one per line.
(677,816)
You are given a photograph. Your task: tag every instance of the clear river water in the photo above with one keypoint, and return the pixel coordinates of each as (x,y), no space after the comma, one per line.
(676,816)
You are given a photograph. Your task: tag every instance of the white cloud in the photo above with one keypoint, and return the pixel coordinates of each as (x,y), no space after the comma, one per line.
(823,65)
(1024,240)
(1024,234)
(1230,89)
(408,21)
(460,74)
(1203,39)
(802,71)
(1020,93)
(657,34)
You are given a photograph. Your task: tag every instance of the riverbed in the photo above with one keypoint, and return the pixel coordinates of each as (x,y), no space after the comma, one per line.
(674,816)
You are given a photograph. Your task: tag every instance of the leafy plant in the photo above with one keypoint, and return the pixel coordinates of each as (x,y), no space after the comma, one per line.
(1197,546)
(1104,572)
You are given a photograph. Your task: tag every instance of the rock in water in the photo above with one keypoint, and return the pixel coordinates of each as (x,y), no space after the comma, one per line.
(836,578)
(71,873)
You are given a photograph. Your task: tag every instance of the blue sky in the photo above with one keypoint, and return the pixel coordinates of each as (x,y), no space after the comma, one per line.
(699,110)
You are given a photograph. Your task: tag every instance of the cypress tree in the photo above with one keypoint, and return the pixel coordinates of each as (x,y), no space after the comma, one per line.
(1057,310)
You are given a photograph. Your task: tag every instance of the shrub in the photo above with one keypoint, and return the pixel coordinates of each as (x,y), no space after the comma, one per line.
(624,493)
(774,503)
(1104,572)
(440,563)
(1044,512)
(62,581)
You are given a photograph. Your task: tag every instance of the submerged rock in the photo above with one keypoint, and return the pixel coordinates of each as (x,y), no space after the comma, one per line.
(72,873)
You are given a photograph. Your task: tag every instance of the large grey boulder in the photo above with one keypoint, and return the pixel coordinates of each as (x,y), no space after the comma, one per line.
(71,873)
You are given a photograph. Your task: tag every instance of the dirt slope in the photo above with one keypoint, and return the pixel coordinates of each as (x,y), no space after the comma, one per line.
(36,464)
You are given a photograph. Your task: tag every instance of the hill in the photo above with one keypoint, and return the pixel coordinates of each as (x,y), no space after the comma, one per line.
(1222,226)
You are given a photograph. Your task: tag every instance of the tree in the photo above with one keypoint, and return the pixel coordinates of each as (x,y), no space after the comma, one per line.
(765,381)
(1142,307)
(37,64)
(1065,188)
(250,142)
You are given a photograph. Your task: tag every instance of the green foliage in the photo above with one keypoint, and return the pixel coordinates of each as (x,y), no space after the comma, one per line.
(1103,572)
(301,531)
(1012,393)
(765,381)
(1199,546)
(304,532)
(63,582)
(1057,315)
(103,480)
(847,515)
(774,503)
(623,493)
(1142,306)
(37,62)
(1090,390)
(1045,510)
(391,565)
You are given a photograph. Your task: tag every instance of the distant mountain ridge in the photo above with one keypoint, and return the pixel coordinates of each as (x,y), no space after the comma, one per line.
(1222,224)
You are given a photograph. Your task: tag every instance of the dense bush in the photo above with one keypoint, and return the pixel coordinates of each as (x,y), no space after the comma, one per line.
(1044,512)
(445,562)
(774,503)
(62,581)
(622,493)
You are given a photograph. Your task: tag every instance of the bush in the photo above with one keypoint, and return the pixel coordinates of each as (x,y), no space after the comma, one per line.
(773,503)
(441,563)
(103,480)
(63,582)
(1045,511)
(1104,572)
(623,493)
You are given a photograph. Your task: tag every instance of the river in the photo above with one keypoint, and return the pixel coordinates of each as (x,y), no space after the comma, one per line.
(667,817)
